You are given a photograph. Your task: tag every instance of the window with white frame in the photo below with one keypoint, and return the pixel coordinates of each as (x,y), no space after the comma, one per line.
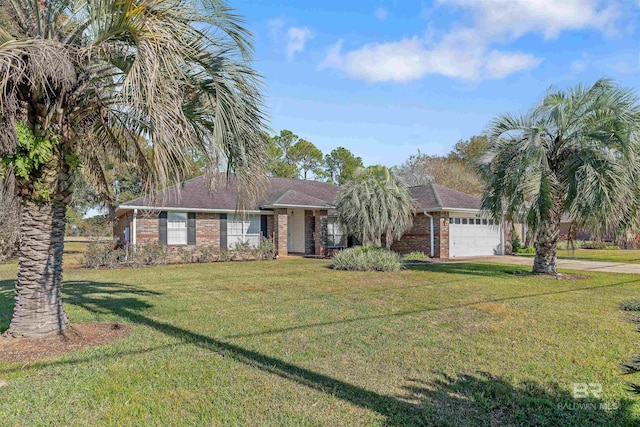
(176,228)
(243,228)
(335,236)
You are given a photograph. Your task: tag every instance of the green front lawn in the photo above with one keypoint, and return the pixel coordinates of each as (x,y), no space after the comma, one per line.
(291,342)
(628,256)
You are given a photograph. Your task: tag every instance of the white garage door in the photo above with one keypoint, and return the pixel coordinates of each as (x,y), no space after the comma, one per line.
(473,237)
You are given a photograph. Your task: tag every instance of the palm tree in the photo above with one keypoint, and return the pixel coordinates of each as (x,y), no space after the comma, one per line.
(375,203)
(82,81)
(576,153)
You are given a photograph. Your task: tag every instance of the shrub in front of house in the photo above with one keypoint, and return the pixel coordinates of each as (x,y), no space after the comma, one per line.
(594,245)
(367,258)
(527,251)
(516,244)
(99,255)
(415,256)
(151,253)
(266,249)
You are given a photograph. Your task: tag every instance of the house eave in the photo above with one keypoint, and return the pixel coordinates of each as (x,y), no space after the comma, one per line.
(439,209)
(283,206)
(122,208)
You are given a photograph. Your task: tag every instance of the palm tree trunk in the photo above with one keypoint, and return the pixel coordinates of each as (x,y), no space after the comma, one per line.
(546,247)
(38,310)
(388,240)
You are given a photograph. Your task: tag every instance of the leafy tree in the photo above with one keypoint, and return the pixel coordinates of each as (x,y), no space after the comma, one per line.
(420,169)
(575,153)
(276,164)
(83,81)
(285,141)
(308,158)
(375,203)
(470,151)
(341,164)
(279,160)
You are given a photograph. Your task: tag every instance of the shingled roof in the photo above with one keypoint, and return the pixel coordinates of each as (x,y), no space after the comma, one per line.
(284,192)
(431,197)
(295,198)
(280,192)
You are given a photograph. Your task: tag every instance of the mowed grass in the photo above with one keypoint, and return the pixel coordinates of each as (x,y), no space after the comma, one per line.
(626,256)
(292,342)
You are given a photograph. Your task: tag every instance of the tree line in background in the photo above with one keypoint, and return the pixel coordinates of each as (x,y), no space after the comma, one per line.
(460,169)
(290,156)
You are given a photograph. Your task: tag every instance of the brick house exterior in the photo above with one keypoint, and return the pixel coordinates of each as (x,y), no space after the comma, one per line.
(210,217)
(295,214)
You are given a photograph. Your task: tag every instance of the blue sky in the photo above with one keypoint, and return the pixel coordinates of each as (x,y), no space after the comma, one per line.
(386,78)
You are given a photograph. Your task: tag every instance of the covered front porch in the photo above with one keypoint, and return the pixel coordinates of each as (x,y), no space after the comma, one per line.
(301,231)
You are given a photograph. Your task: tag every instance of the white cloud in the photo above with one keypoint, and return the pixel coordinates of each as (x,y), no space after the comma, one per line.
(381,14)
(580,65)
(500,64)
(514,18)
(469,52)
(275,26)
(627,66)
(408,60)
(297,38)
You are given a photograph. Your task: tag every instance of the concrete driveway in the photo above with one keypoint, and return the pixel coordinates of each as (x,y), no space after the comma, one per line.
(563,264)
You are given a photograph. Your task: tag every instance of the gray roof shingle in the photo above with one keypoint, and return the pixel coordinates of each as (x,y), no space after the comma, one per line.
(195,194)
(437,197)
(284,192)
(295,198)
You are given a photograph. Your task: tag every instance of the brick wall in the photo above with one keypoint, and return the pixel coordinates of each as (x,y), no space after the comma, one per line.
(441,234)
(147,227)
(207,229)
(417,239)
(280,232)
(320,235)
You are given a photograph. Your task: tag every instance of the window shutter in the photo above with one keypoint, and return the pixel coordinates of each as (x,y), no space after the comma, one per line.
(263,226)
(162,224)
(191,228)
(223,231)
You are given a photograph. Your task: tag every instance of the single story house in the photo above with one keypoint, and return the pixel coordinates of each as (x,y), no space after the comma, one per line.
(300,217)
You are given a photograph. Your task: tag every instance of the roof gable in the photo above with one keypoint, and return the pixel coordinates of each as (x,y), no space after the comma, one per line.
(436,197)
(294,198)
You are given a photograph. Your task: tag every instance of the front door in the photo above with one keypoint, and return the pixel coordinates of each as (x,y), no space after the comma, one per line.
(295,231)
(290,232)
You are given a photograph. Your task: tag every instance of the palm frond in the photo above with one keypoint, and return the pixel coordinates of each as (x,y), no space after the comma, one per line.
(173,73)
(577,152)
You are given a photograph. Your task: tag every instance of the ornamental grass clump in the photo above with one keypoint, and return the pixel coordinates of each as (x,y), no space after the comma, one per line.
(366,258)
